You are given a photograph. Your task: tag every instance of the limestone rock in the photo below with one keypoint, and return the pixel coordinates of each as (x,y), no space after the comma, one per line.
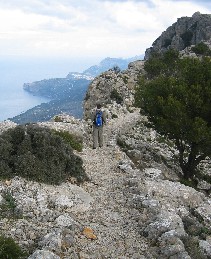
(38,254)
(205,247)
(185,32)
(123,83)
(7,124)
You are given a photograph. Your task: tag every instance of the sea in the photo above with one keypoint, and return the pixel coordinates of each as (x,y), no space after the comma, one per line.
(15,71)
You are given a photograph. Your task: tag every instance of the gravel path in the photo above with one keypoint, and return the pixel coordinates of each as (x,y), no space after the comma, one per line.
(114,223)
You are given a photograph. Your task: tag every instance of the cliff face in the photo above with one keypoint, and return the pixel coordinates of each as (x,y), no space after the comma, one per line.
(185,32)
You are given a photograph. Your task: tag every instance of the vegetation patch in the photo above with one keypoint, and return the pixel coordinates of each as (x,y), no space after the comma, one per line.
(58,119)
(201,49)
(122,144)
(194,227)
(115,95)
(8,207)
(116,69)
(87,96)
(114,116)
(38,154)
(125,79)
(9,249)
(175,95)
(189,182)
(192,247)
(74,141)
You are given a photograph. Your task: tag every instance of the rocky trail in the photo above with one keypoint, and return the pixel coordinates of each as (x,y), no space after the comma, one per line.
(122,212)
(114,223)
(137,213)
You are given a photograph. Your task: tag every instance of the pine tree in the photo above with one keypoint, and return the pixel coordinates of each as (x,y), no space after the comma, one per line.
(175,94)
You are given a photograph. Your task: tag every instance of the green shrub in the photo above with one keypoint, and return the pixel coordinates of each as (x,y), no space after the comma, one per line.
(74,141)
(8,208)
(130,109)
(125,79)
(87,96)
(114,116)
(38,154)
(122,144)
(115,95)
(192,247)
(116,69)
(10,250)
(201,49)
(189,182)
(58,119)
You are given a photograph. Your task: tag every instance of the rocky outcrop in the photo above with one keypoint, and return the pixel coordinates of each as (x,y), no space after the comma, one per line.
(185,32)
(112,86)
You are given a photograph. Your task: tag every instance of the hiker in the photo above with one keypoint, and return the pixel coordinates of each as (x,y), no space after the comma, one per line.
(99,119)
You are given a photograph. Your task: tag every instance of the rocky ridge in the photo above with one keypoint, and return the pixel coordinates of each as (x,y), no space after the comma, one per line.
(123,82)
(128,209)
(185,32)
(134,205)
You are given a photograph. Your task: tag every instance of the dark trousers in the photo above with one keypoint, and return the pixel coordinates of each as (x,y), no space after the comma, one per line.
(97,136)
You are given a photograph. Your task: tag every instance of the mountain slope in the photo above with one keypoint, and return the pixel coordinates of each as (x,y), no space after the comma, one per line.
(109,63)
(66,94)
(185,32)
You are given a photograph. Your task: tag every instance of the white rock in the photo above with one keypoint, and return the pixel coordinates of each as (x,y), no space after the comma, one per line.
(64,201)
(205,247)
(64,220)
(43,254)
(153,173)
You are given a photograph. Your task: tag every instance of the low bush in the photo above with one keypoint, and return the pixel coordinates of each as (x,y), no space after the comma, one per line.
(201,49)
(10,250)
(114,116)
(115,95)
(122,144)
(58,119)
(192,247)
(8,207)
(37,154)
(116,69)
(74,141)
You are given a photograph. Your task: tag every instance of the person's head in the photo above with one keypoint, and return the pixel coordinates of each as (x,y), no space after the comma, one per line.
(98,106)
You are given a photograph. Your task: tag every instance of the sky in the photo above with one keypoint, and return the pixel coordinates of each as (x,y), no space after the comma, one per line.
(88,28)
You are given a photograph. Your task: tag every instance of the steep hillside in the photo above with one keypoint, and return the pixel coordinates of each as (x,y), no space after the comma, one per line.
(185,32)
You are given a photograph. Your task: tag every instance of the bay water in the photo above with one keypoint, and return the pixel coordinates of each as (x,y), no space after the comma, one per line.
(15,71)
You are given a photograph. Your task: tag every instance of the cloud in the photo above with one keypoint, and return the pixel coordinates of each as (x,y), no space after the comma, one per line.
(87,28)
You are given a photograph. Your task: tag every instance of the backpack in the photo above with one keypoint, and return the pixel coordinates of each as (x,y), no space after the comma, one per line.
(98,119)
